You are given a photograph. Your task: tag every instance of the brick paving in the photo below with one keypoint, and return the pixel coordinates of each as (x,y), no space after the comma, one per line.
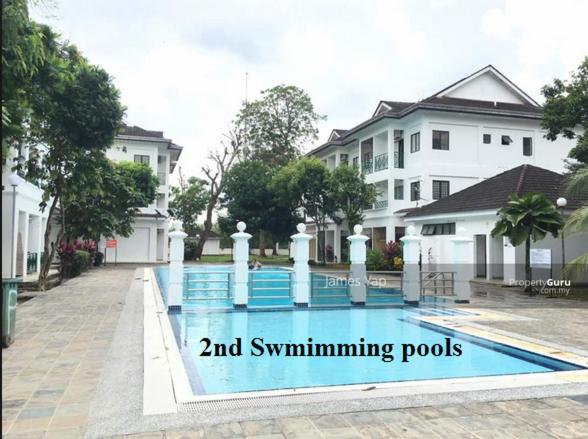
(51,373)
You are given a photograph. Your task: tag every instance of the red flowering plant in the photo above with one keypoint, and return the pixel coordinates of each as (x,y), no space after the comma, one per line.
(393,254)
(75,256)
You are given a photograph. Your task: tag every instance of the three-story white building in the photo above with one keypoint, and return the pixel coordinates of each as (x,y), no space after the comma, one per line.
(149,241)
(419,152)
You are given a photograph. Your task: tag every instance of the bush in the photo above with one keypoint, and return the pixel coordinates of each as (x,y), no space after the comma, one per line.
(75,263)
(190,249)
(375,261)
(98,259)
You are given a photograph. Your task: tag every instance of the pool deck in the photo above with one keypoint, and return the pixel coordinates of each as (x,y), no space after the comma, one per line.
(76,369)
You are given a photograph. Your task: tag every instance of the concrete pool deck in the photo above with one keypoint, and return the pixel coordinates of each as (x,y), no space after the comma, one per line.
(76,369)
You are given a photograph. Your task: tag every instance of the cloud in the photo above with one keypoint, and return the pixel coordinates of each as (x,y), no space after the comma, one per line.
(181,64)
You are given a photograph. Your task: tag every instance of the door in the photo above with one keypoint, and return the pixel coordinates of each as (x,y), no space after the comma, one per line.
(480,243)
(135,248)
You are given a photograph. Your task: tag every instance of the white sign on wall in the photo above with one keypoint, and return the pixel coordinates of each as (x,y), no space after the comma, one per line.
(541,258)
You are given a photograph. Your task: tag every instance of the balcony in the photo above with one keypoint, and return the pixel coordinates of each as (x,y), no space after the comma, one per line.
(381,162)
(367,167)
(381,204)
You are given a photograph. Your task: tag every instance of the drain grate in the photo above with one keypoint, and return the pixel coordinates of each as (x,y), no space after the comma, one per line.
(273,400)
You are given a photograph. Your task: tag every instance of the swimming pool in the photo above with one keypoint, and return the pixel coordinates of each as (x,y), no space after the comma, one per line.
(269,346)
(260,367)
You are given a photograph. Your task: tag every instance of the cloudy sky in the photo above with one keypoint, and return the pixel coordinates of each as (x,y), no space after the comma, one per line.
(181,64)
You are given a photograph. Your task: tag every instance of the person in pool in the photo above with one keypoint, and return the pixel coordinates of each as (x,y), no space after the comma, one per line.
(255,265)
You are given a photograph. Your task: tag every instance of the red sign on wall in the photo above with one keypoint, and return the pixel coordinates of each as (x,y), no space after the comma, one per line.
(111,243)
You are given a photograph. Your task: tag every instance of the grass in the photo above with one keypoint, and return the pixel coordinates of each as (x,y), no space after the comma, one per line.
(228,258)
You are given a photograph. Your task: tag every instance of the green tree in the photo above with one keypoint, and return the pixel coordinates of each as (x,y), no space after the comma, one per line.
(526,218)
(566,109)
(305,184)
(75,113)
(277,126)
(23,55)
(578,221)
(106,204)
(189,200)
(351,194)
(248,197)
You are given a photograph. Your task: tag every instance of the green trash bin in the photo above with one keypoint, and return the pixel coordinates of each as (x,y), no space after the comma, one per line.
(9,292)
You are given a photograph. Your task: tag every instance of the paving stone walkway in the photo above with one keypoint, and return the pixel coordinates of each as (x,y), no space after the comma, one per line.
(51,373)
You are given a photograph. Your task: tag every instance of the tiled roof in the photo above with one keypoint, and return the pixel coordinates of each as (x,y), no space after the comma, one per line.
(493,192)
(127,130)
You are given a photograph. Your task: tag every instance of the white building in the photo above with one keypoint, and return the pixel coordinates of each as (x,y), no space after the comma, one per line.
(149,241)
(472,212)
(23,228)
(416,153)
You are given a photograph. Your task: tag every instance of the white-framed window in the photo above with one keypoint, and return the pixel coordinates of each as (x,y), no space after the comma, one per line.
(415,142)
(398,189)
(415,191)
(487,138)
(139,158)
(505,140)
(441,140)
(527,146)
(440,189)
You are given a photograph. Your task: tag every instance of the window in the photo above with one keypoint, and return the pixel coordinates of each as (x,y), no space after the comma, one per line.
(438,229)
(440,189)
(415,142)
(399,189)
(356,162)
(506,140)
(527,146)
(344,159)
(141,159)
(487,139)
(415,191)
(441,140)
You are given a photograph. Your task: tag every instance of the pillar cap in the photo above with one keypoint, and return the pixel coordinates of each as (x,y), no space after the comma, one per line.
(177,234)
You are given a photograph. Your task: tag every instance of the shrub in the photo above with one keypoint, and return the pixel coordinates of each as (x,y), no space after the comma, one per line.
(98,259)
(75,257)
(190,249)
(375,261)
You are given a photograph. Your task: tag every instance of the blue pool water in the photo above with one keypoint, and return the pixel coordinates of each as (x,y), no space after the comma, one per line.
(207,314)
(214,375)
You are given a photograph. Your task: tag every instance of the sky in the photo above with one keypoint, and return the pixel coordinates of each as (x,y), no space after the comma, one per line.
(181,64)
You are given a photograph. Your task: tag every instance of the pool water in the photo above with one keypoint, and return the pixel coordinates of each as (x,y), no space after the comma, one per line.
(207,313)
(229,374)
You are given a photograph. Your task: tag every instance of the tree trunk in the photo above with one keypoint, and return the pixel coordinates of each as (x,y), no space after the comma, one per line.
(275,249)
(206,232)
(48,247)
(528,288)
(261,244)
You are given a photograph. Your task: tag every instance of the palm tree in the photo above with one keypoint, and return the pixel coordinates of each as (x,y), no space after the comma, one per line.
(578,221)
(526,218)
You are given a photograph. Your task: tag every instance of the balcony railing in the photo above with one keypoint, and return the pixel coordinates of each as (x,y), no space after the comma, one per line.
(161,176)
(381,162)
(367,167)
(381,204)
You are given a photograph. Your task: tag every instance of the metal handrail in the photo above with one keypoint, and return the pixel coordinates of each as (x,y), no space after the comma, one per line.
(381,162)
(188,289)
(437,280)
(253,288)
(314,288)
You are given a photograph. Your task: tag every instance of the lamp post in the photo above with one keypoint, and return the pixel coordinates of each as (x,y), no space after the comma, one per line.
(14,180)
(562,203)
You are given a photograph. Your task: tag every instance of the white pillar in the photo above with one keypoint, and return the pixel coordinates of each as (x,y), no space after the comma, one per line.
(301,270)
(357,254)
(411,272)
(176,269)
(240,268)
(463,265)
(509,259)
